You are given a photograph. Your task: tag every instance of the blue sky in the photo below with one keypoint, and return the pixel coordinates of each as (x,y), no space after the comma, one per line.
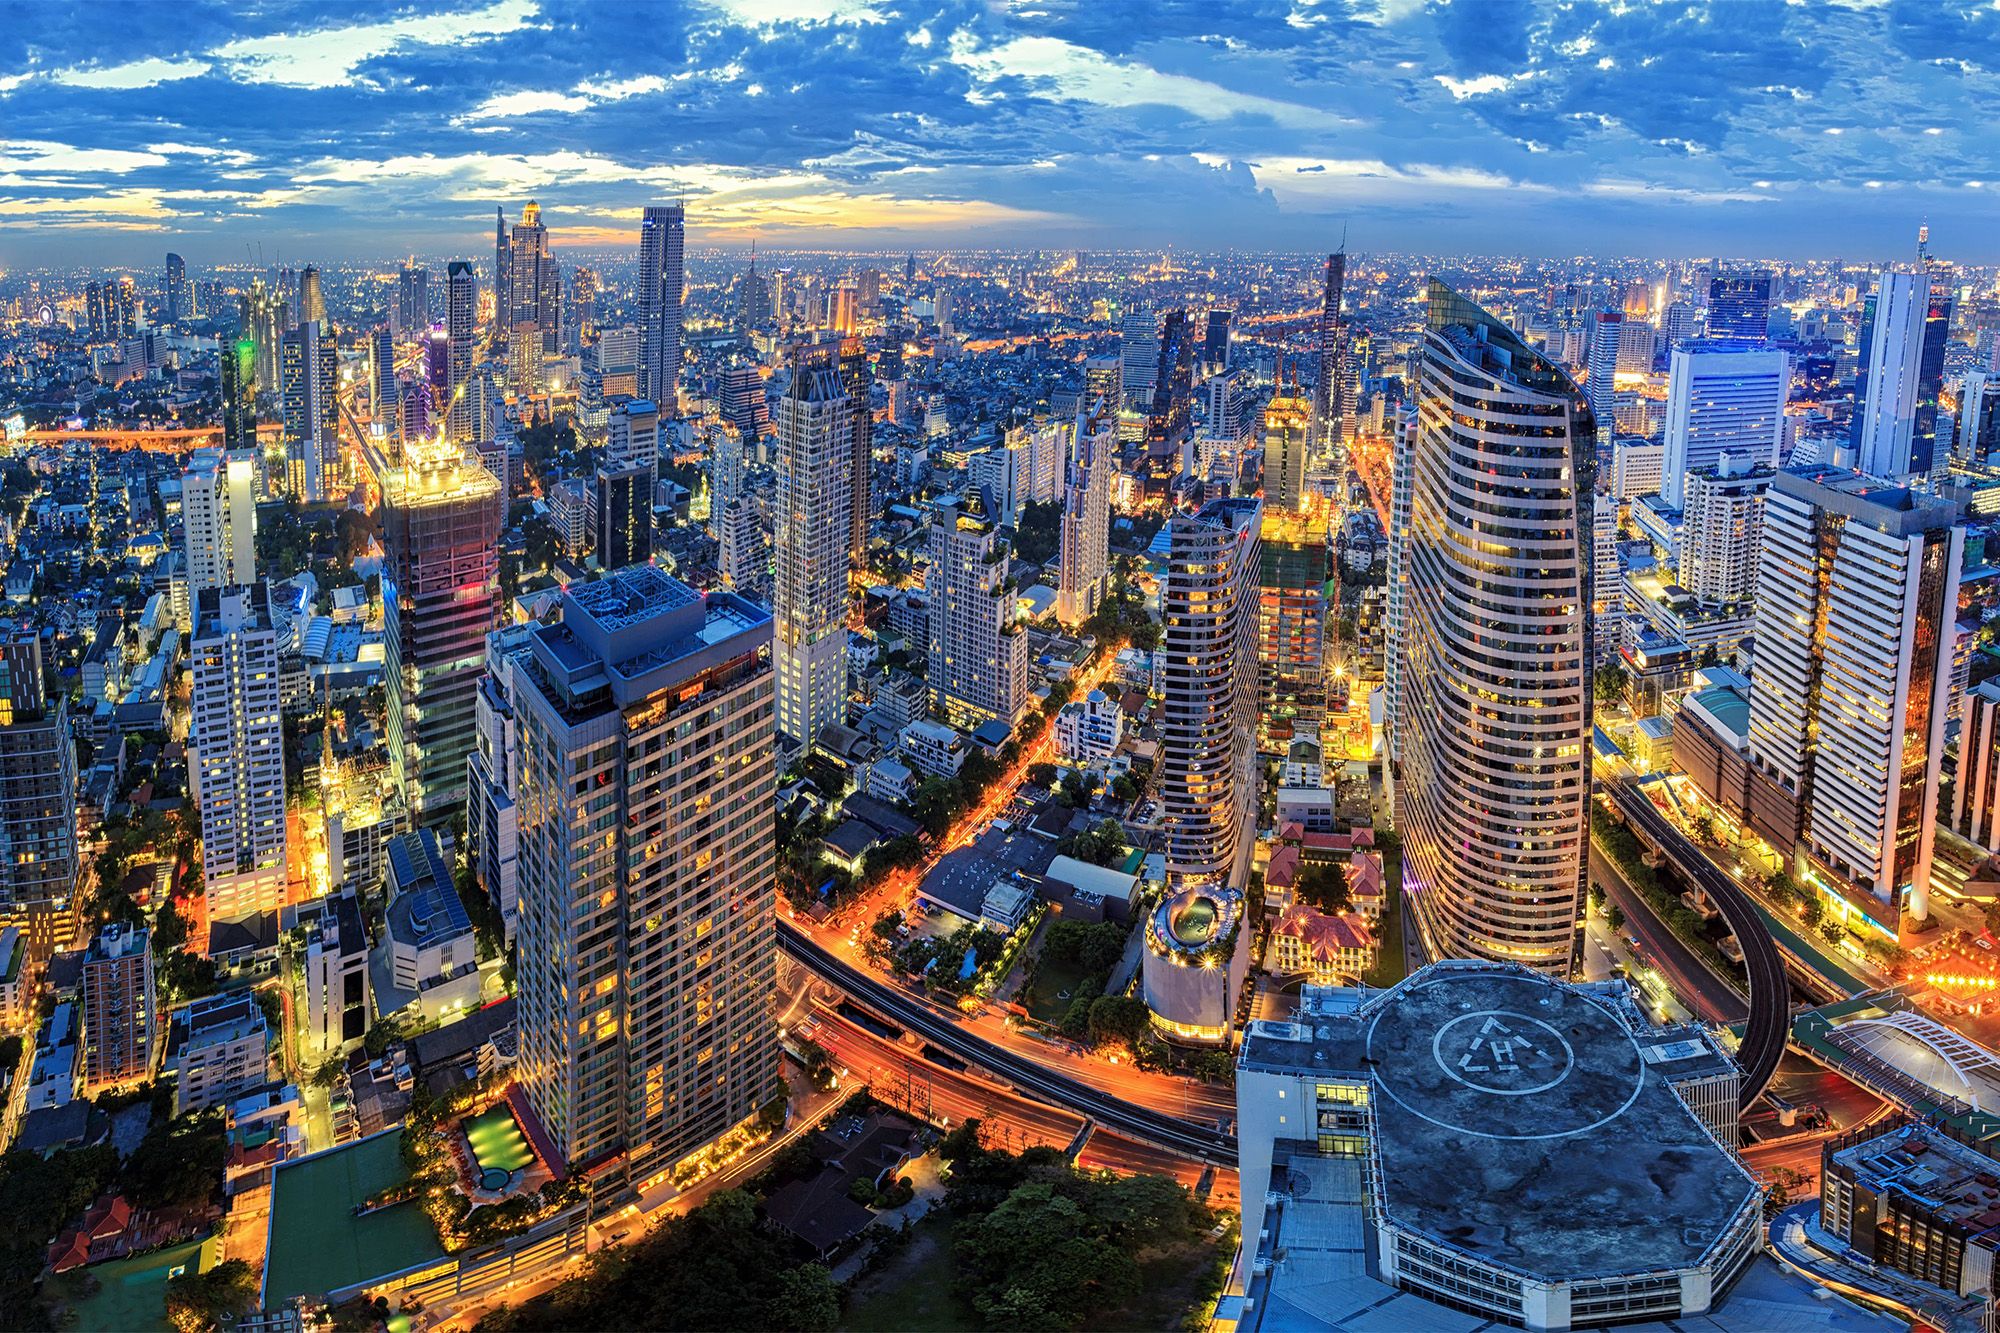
(1754,127)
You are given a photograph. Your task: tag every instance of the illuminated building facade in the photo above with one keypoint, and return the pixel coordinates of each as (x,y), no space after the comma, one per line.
(1292,570)
(461,323)
(815,480)
(311,375)
(662,282)
(1084,555)
(647,871)
(978,666)
(38,847)
(236,745)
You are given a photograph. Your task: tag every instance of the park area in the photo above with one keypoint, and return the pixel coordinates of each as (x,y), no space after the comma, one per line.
(131,1294)
(320,1244)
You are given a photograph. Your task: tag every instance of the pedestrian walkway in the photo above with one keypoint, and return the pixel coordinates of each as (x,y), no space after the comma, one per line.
(1806,1247)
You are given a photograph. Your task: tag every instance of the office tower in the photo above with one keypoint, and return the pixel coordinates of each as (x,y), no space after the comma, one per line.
(580,314)
(1896,386)
(843,310)
(413,300)
(1103,389)
(814,529)
(1215,343)
(178,306)
(1084,558)
(124,312)
(1682,321)
(1208,732)
(1722,398)
(662,280)
(1403,441)
(1494,720)
(725,466)
(236,745)
(978,655)
(219,520)
(435,367)
(1171,418)
(941,308)
(1291,619)
(312,302)
(534,318)
(1607,330)
(503,286)
(1287,425)
(743,556)
(441,518)
(1739,307)
(237,360)
(260,323)
(461,328)
(415,397)
(1978,436)
(312,445)
(1139,355)
(647,939)
(743,403)
(1722,517)
(39,860)
(382,397)
(753,299)
(1857,591)
(1329,405)
(1975,795)
(93,305)
(120,1009)
(868,290)
(618,362)
(625,479)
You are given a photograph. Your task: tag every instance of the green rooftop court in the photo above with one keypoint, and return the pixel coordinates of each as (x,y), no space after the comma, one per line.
(498,1144)
(319,1245)
(132,1293)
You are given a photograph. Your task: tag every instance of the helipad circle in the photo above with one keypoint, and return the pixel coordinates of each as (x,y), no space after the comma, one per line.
(1502,1052)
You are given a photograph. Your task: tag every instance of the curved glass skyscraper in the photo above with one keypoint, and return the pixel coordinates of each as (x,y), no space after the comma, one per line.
(1494,724)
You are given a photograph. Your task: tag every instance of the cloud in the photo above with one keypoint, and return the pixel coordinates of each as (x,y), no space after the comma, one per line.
(147,73)
(328,57)
(525,104)
(37,157)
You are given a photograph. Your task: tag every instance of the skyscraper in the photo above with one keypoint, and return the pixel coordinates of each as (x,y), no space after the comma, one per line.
(236,749)
(978,663)
(580,313)
(625,479)
(413,300)
(1084,556)
(1139,355)
(1739,307)
(503,286)
(237,360)
(121,1021)
(382,396)
(441,518)
(1722,398)
(1208,731)
(1329,407)
(1722,519)
(178,306)
(1287,421)
(1494,719)
(1170,421)
(662,281)
(1215,343)
(743,402)
(1292,570)
(1896,387)
(1403,441)
(39,861)
(647,938)
(814,528)
(312,301)
(312,443)
(461,324)
(261,317)
(1857,590)
(1607,329)
(219,521)
(534,325)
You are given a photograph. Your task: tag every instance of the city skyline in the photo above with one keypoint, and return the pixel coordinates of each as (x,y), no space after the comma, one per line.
(856,123)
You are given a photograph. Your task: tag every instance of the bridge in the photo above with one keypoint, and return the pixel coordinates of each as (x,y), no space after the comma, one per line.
(1770,991)
(1139,1122)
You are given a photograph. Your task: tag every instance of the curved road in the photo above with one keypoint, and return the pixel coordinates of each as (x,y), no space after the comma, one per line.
(1136,1121)
(1770,991)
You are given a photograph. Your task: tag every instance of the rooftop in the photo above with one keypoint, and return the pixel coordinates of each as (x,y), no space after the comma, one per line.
(1953,1180)
(1520,1120)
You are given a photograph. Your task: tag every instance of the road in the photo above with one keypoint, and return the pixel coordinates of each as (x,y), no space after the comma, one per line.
(1769,1022)
(1697,985)
(1140,1122)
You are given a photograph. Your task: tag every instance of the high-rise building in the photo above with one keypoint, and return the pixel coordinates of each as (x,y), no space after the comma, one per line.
(1978,434)
(1901,373)
(580,311)
(384,403)
(1975,794)
(1084,556)
(1607,329)
(813,531)
(413,300)
(1291,620)
(1722,398)
(625,479)
(753,298)
(39,860)
(618,362)
(743,402)
(1287,424)
(312,301)
(647,939)
(1139,355)
(176,287)
(1208,729)
(1170,421)
(236,746)
(237,360)
(261,316)
(219,520)
(1857,592)
(1403,442)
(1739,307)
(978,664)
(1329,405)
(743,555)
(1494,717)
(121,1020)
(461,324)
(662,284)
(534,288)
(441,517)
(1722,518)
(1103,389)
(311,374)
(1215,342)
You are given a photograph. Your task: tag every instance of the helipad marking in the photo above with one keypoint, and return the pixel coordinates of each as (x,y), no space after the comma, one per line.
(1508,1048)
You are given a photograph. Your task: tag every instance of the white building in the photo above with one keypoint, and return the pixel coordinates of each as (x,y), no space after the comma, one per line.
(427,935)
(809,601)
(1857,591)
(1139,354)
(1889,380)
(933,748)
(1090,728)
(1720,525)
(334,964)
(1637,466)
(219,521)
(237,752)
(1975,796)
(1084,560)
(978,663)
(218,1049)
(1722,398)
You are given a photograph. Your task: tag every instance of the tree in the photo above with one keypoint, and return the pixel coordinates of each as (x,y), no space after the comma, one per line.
(1102,844)
(179,1162)
(1614,916)
(1038,536)
(1815,910)
(1323,888)
(1088,946)
(1610,683)
(197,1302)
(1832,931)
(1118,1018)
(1041,775)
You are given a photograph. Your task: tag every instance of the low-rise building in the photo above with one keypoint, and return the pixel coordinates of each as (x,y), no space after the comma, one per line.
(1090,729)
(934,748)
(217,1049)
(429,937)
(1914,1200)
